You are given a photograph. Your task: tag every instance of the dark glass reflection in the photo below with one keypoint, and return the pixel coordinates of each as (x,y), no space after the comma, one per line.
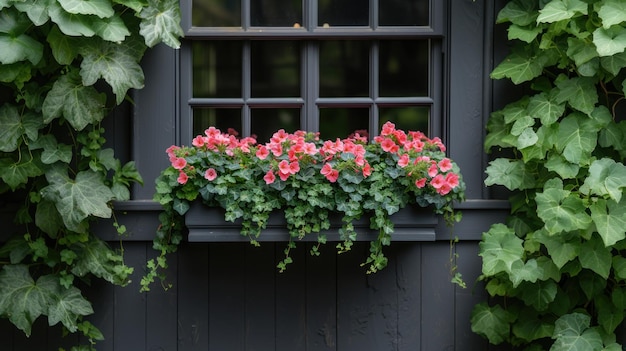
(341,122)
(217,69)
(275,13)
(406,118)
(275,69)
(344,68)
(343,13)
(404,68)
(403,12)
(216,13)
(220,118)
(266,121)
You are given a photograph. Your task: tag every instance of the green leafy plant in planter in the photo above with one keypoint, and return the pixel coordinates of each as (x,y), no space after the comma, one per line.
(556,270)
(64,66)
(307,179)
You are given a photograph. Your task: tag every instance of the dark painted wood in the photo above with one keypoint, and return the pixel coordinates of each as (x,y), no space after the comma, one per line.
(291,293)
(162,310)
(193,291)
(321,299)
(259,297)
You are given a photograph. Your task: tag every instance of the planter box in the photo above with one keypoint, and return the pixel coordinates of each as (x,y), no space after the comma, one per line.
(207,224)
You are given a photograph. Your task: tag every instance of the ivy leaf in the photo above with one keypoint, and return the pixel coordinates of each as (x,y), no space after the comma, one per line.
(70,24)
(21,299)
(545,107)
(575,140)
(19,48)
(538,295)
(557,10)
(610,41)
(10,128)
(525,272)
(67,305)
(79,198)
(619,267)
(609,317)
(492,322)
(36,10)
(562,248)
(111,29)
(526,34)
(510,173)
(529,327)
(527,138)
(498,132)
(519,12)
(114,63)
(47,218)
(136,5)
(561,210)
(63,46)
(100,8)
(606,177)
(611,136)
(596,257)
(52,151)
(572,333)
(613,64)
(80,105)
(579,92)
(612,12)
(17,173)
(95,257)
(565,169)
(519,68)
(160,22)
(500,248)
(581,51)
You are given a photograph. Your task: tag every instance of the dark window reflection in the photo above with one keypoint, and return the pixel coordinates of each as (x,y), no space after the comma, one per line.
(275,13)
(216,13)
(217,69)
(341,122)
(220,118)
(403,12)
(266,121)
(404,68)
(344,68)
(343,13)
(406,118)
(275,69)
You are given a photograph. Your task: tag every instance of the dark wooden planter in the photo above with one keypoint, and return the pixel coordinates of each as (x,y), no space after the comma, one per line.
(207,224)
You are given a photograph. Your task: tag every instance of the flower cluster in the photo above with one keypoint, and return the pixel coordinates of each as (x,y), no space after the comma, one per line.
(308,179)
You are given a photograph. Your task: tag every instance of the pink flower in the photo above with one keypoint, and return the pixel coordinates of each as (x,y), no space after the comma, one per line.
(333,175)
(294,167)
(387,128)
(269,177)
(404,160)
(210,174)
(433,170)
(438,181)
(170,151)
(389,145)
(198,141)
(262,152)
(283,166)
(182,177)
(326,169)
(420,183)
(444,189)
(179,163)
(283,176)
(452,179)
(445,165)
(367,170)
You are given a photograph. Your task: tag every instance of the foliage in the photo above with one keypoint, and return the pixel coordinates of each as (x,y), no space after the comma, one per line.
(556,271)
(64,65)
(307,179)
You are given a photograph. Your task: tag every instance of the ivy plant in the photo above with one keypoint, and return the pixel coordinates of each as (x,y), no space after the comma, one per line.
(64,66)
(556,271)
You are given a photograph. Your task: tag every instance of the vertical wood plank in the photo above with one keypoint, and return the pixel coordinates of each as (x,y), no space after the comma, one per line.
(161,321)
(409,279)
(291,301)
(37,339)
(193,297)
(6,334)
(101,294)
(260,309)
(321,299)
(226,296)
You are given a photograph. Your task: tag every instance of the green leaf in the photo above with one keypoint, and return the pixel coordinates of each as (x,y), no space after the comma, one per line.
(561,210)
(111,29)
(67,305)
(581,51)
(557,10)
(565,169)
(47,218)
(579,92)
(510,173)
(596,257)
(545,107)
(500,248)
(610,220)
(610,41)
(525,272)
(519,68)
(528,327)
(136,5)
(10,128)
(609,317)
(575,139)
(95,257)
(116,64)
(37,10)
(539,295)
(18,173)
(491,322)
(70,24)
(160,22)
(526,34)
(76,199)
(606,177)
(527,138)
(562,248)
(613,64)
(591,284)
(519,12)
(79,104)
(612,12)
(63,46)
(572,333)
(19,48)
(619,267)
(100,8)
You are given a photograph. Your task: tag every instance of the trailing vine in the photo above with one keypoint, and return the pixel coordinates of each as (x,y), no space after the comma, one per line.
(64,66)
(556,270)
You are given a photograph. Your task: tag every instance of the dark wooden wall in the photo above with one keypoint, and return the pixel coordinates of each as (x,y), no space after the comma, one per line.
(229,296)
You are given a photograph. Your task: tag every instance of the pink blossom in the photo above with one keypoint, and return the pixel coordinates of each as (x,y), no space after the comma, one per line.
(333,175)
(294,167)
(437,142)
(445,165)
(210,174)
(433,170)
(452,179)
(387,128)
(389,145)
(326,169)
(171,151)
(179,163)
(269,177)
(262,152)
(438,181)
(404,160)
(283,176)
(182,177)
(283,166)
(420,183)
(444,189)
(199,141)
(367,170)
(212,132)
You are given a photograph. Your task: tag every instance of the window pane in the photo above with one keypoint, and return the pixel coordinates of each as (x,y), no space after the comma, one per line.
(406,118)
(341,122)
(403,12)
(275,13)
(275,69)
(216,13)
(404,68)
(217,69)
(220,118)
(344,68)
(266,121)
(343,13)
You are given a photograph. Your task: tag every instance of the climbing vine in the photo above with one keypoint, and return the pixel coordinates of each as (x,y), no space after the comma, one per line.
(556,271)
(64,66)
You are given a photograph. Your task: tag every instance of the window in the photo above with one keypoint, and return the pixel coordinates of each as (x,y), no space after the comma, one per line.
(333,66)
